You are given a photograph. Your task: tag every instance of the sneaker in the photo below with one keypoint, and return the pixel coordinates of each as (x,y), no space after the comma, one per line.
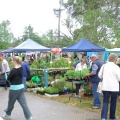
(95,107)
(29,118)
(6,117)
(116,118)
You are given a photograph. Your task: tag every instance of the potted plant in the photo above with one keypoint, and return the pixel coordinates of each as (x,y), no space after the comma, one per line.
(77,75)
(41,91)
(69,89)
(87,92)
(51,92)
(70,74)
(59,84)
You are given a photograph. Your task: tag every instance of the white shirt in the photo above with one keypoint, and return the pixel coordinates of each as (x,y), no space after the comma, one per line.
(110,73)
(80,67)
(4,62)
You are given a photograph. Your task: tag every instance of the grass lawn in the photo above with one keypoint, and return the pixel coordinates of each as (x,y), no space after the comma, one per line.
(85,104)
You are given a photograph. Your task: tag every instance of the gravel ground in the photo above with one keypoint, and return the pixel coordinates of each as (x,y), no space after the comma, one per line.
(45,109)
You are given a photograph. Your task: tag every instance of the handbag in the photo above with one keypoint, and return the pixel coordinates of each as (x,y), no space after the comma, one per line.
(3,80)
(99,89)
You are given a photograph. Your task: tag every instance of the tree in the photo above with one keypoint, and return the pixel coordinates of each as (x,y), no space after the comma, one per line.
(6,35)
(29,33)
(96,20)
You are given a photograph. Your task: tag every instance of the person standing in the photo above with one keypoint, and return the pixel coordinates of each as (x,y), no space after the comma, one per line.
(26,72)
(16,91)
(5,65)
(110,73)
(118,63)
(81,65)
(94,79)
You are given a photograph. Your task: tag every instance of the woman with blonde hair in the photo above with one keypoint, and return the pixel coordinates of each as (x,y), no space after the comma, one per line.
(16,91)
(110,75)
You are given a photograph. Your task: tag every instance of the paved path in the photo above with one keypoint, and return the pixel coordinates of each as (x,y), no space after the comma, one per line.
(45,109)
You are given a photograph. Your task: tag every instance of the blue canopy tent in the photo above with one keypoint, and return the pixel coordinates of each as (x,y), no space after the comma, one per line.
(83,46)
(104,55)
(8,50)
(30,45)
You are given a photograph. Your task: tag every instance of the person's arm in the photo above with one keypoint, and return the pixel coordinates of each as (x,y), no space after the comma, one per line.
(28,68)
(100,74)
(118,73)
(10,76)
(94,71)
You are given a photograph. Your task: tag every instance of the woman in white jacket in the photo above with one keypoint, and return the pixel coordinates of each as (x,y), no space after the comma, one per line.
(110,73)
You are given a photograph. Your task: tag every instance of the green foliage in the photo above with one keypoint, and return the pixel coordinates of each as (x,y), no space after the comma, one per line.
(59,85)
(30,85)
(77,74)
(5,35)
(40,90)
(51,90)
(70,88)
(70,73)
(39,64)
(87,90)
(96,20)
(60,63)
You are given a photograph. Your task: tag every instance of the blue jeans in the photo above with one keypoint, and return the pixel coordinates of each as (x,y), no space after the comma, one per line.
(96,95)
(24,82)
(106,96)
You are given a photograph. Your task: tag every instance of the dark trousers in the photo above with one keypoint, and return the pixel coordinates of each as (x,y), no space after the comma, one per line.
(19,96)
(106,96)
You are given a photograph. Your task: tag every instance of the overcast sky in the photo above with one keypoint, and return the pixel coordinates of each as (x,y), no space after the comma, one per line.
(38,13)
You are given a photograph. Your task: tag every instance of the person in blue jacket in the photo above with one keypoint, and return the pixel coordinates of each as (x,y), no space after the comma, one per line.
(26,72)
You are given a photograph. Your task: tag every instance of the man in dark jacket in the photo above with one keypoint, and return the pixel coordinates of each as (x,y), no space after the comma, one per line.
(94,79)
(26,72)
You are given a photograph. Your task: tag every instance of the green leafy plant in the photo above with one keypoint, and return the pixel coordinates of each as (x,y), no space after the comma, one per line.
(87,90)
(51,90)
(30,85)
(84,72)
(59,85)
(70,88)
(61,62)
(77,74)
(70,74)
(40,90)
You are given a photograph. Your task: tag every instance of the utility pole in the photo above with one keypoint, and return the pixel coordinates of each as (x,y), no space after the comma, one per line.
(58,14)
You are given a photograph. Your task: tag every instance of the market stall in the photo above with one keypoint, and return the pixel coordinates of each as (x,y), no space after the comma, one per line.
(82,46)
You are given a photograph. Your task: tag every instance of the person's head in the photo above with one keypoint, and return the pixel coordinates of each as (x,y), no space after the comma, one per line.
(118,61)
(16,60)
(93,57)
(82,62)
(1,57)
(112,57)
